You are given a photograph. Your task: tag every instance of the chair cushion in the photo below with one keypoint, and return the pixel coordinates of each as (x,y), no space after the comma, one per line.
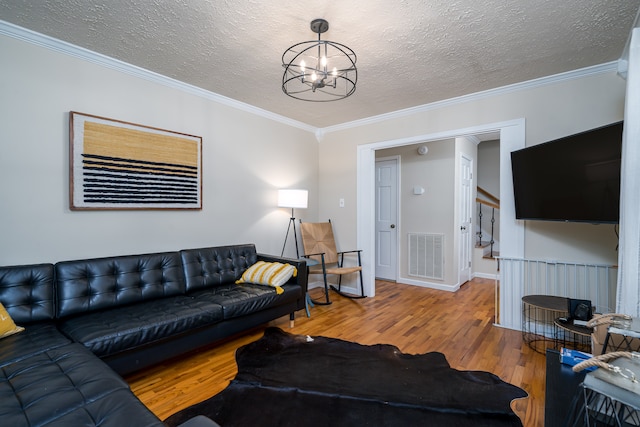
(334,269)
(216,266)
(124,328)
(68,386)
(37,338)
(247,298)
(101,283)
(26,291)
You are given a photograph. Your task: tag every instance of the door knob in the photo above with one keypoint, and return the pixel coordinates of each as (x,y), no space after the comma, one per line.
(393,226)
(463,227)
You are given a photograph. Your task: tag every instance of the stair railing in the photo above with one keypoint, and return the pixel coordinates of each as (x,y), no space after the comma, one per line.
(487,199)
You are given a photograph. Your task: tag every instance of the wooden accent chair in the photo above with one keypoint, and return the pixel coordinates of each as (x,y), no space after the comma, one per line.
(319,245)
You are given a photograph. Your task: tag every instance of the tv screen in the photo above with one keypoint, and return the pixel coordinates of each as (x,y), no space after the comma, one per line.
(576,178)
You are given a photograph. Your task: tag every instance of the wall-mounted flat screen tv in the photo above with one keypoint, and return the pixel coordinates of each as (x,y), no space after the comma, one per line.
(573,179)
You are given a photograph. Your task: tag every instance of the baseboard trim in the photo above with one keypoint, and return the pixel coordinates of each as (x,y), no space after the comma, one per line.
(486,276)
(431,285)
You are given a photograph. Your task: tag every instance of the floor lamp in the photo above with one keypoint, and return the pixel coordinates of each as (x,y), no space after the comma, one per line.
(292,199)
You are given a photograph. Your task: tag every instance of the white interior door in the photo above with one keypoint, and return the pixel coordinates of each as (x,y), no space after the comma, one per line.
(387,219)
(466,203)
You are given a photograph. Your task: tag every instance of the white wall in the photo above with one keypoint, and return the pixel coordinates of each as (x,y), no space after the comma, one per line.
(430,212)
(246,158)
(489,166)
(552,110)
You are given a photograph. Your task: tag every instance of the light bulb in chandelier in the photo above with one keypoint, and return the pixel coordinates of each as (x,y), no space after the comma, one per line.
(302,70)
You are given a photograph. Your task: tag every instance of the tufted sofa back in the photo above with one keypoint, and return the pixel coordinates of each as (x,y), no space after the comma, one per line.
(210,267)
(26,291)
(94,284)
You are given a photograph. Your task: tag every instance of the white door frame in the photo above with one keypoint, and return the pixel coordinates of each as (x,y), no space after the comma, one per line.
(512,137)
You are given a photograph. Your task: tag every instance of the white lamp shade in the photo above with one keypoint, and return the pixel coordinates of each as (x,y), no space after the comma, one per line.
(293,198)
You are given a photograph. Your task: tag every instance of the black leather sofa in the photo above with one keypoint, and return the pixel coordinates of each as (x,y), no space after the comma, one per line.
(89,321)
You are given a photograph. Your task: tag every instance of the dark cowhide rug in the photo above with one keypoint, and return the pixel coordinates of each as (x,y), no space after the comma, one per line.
(293,380)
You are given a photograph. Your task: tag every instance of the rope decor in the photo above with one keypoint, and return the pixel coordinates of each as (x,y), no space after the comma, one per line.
(608,319)
(601,362)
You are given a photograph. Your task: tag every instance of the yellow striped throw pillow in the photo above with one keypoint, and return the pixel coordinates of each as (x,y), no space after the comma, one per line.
(7,327)
(273,274)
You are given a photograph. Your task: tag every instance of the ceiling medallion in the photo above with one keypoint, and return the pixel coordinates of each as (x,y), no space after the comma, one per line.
(319,70)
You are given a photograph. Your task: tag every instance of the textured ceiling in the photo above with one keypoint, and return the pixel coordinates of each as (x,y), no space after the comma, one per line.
(410,52)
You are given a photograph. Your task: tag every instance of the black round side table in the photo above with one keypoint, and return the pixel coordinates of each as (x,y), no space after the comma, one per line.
(572,336)
(539,313)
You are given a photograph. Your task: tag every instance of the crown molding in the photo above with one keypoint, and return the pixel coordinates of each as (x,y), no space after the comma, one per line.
(473,139)
(51,43)
(623,62)
(66,48)
(542,81)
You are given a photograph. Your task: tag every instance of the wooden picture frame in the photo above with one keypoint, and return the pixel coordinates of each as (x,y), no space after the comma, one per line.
(125,166)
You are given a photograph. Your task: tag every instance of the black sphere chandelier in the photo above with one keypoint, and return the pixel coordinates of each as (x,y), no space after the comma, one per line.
(319,70)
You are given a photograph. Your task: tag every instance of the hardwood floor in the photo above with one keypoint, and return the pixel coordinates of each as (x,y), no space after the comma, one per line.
(416,320)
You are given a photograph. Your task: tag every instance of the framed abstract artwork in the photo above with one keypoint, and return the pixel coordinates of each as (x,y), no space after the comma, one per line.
(120,165)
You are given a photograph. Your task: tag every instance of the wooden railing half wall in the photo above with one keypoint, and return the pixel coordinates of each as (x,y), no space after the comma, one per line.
(520,277)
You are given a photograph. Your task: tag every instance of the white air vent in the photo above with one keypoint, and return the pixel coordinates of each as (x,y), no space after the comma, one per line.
(426,255)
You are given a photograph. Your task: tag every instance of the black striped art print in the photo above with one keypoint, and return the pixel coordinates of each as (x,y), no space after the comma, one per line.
(117,165)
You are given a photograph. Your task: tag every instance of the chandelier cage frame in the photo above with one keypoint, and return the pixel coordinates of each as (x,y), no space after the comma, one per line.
(319,70)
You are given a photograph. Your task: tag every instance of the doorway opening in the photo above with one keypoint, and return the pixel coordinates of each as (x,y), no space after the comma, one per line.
(512,137)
